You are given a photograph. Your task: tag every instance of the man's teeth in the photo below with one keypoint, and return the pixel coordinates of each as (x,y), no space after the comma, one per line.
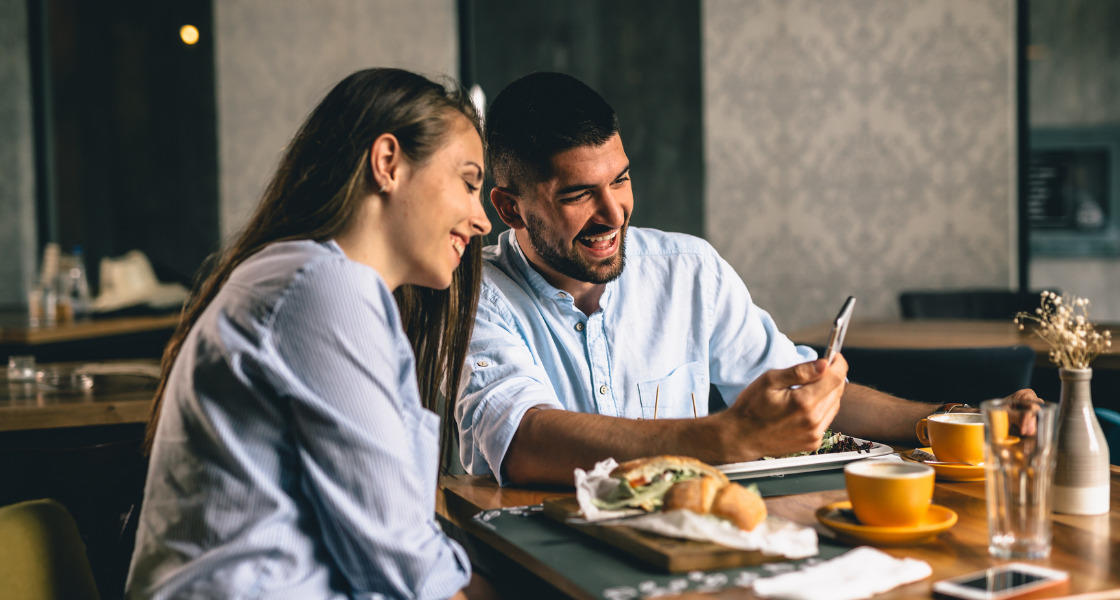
(459,247)
(601,238)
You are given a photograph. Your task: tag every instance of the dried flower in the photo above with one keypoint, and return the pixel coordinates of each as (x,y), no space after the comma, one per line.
(1063,322)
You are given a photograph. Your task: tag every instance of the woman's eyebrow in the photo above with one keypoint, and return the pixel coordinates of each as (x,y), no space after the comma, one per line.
(478,167)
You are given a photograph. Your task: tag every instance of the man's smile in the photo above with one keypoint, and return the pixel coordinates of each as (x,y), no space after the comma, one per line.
(603,241)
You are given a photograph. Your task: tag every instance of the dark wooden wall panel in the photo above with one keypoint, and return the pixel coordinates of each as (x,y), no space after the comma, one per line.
(642,56)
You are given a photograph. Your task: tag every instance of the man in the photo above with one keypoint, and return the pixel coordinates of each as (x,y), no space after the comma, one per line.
(595,340)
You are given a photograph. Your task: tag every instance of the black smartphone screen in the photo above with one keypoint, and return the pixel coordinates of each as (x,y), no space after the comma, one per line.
(1000,581)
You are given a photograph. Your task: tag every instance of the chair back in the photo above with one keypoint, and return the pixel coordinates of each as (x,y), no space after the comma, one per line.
(990,304)
(939,375)
(42,557)
(1110,423)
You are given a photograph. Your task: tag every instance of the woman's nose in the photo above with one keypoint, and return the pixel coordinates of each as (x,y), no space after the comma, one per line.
(478,220)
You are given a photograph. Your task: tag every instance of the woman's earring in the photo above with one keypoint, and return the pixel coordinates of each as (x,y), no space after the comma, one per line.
(382,190)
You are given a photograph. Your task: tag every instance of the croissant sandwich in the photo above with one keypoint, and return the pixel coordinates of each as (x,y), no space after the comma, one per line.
(683,483)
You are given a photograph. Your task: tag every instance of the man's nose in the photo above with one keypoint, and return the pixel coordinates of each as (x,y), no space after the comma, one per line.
(610,210)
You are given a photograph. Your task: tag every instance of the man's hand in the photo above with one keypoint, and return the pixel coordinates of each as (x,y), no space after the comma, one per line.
(785,410)
(1024,397)
(1025,404)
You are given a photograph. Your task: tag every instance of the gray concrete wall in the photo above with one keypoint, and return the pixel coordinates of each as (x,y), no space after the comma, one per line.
(17,159)
(860,147)
(276,60)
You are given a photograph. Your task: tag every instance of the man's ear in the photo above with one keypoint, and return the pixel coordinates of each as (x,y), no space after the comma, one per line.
(508,207)
(386,162)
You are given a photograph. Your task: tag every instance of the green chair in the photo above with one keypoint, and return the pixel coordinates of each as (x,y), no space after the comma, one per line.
(42,557)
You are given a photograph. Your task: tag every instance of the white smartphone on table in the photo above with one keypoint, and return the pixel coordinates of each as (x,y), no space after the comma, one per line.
(839,328)
(1012,580)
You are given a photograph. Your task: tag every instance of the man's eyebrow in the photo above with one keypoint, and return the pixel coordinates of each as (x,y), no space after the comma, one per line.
(583,186)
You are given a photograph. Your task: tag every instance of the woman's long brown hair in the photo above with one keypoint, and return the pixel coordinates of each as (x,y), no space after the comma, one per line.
(321,181)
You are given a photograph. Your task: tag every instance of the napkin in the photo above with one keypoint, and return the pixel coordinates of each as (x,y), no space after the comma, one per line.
(774,536)
(130,280)
(859,573)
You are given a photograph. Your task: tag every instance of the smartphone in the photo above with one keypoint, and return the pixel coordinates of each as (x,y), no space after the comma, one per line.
(1013,580)
(839,328)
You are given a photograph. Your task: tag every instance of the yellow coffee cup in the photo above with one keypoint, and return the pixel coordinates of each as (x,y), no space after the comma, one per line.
(954,437)
(889,493)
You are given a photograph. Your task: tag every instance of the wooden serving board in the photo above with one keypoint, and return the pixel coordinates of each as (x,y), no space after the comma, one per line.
(671,555)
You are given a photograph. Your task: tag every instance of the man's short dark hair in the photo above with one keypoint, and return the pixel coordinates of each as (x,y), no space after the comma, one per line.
(538,116)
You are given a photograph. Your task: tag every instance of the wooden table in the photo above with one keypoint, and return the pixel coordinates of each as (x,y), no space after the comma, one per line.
(16,332)
(947,334)
(98,339)
(1087,547)
(113,400)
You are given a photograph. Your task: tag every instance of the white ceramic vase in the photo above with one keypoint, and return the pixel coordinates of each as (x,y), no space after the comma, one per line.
(1081,485)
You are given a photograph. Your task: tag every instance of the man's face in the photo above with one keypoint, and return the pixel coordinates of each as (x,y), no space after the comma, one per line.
(577,218)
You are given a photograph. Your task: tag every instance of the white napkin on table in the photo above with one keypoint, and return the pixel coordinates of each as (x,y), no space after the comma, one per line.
(859,573)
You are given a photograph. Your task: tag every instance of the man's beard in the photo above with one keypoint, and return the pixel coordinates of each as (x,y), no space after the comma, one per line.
(568,261)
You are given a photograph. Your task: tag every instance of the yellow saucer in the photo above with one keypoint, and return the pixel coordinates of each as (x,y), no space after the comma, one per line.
(950,472)
(839,517)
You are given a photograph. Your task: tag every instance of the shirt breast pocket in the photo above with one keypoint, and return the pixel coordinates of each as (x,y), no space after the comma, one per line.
(673,394)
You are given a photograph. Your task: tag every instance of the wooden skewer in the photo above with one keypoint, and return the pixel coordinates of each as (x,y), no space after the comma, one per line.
(656,395)
(694,405)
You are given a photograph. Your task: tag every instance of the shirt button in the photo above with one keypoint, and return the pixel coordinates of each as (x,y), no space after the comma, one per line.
(602,389)
(482,363)
(579,326)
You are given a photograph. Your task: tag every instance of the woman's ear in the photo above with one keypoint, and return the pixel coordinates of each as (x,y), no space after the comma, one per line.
(386,162)
(508,206)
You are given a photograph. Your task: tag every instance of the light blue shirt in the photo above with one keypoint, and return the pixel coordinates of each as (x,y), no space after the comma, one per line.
(293,458)
(678,319)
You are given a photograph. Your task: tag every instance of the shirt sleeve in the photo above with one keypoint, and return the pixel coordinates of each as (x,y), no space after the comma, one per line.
(505,382)
(368,451)
(745,341)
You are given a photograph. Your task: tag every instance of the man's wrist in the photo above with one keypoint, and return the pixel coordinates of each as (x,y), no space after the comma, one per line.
(953,407)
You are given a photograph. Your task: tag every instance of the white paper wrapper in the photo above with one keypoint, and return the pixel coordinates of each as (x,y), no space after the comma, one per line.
(773,536)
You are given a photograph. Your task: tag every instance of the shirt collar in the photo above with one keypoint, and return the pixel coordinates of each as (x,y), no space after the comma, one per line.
(539,283)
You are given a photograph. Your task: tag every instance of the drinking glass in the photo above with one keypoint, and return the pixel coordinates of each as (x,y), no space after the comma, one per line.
(1019,465)
(21,368)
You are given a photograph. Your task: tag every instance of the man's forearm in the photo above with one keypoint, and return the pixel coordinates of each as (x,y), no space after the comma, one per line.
(781,412)
(870,414)
(550,444)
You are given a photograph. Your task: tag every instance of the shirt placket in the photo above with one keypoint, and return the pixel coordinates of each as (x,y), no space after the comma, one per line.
(595,341)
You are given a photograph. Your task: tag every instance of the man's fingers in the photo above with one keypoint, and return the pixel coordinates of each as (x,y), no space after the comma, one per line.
(839,365)
(801,374)
(1024,396)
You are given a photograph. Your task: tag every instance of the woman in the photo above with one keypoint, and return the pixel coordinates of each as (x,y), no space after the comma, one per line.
(290,453)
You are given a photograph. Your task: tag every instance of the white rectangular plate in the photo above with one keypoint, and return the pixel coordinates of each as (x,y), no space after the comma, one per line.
(800,464)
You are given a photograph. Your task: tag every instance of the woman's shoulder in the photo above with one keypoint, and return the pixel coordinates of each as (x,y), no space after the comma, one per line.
(285,263)
(311,276)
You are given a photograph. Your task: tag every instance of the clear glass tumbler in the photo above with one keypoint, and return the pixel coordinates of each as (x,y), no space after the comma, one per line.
(21,368)
(1019,466)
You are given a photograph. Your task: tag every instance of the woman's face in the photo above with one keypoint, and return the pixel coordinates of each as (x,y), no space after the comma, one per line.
(437,210)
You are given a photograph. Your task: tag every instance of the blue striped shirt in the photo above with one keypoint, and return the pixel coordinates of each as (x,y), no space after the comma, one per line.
(292,457)
(677,319)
